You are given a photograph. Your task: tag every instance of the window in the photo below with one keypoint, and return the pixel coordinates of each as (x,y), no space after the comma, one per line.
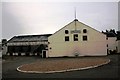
(107,45)
(66,38)
(84,38)
(66,32)
(106,38)
(84,30)
(75,37)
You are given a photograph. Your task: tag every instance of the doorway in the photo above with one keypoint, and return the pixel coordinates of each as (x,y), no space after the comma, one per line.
(44,54)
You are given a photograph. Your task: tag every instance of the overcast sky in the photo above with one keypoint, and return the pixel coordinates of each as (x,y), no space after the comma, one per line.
(28,18)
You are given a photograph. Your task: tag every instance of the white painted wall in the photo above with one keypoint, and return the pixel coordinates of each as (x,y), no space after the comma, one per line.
(95,45)
(118,45)
(112,43)
(4,51)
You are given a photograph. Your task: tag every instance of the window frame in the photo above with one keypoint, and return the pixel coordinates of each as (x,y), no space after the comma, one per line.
(84,30)
(67,32)
(75,37)
(67,38)
(85,39)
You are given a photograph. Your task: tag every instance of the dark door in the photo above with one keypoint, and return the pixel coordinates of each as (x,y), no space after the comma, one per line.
(44,54)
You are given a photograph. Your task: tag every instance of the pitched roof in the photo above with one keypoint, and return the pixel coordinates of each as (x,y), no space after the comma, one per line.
(30,38)
(110,34)
(76,20)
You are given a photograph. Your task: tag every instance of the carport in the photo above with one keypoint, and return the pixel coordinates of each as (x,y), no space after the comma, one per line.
(27,45)
(26,50)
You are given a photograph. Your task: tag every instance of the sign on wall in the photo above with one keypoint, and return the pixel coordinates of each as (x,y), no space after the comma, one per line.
(75,31)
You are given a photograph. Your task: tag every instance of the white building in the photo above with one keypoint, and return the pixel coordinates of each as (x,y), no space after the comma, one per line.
(111,42)
(118,48)
(0,46)
(4,46)
(74,39)
(77,39)
(118,41)
(4,50)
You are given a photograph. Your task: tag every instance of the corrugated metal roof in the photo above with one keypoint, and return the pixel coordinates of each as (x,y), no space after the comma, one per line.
(30,38)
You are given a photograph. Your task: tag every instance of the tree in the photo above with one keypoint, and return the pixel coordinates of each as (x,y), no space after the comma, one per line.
(113,31)
(4,42)
(106,30)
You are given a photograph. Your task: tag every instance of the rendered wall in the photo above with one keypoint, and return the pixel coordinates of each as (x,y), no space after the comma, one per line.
(95,45)
(118,46)
(112,43)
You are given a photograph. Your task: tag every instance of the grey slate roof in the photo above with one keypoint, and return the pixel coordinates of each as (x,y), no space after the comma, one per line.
(110,34)
(30,38)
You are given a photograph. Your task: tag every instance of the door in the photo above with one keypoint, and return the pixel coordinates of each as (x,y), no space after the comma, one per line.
(44,54)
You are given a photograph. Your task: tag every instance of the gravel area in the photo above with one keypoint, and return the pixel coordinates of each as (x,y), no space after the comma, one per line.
(63,64)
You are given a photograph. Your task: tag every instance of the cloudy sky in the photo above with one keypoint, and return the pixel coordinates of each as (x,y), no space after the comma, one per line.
(28,18)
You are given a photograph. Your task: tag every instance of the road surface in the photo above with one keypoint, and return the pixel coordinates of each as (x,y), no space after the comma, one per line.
(107,71)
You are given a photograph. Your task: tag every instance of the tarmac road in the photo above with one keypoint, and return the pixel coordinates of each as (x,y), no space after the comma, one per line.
(107,71)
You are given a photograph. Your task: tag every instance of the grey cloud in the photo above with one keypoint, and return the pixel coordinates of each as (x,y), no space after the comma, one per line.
(11,25)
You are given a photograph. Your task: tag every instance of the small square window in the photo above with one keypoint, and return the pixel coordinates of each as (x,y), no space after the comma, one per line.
(107,45)
(75,37)
(66,32)
(66,38)
(106,38)
(84,38)
(84,30)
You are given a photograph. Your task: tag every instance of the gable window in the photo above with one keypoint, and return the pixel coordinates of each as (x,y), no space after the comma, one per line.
(75,37)
(66,32)
(66,38)
(84,30)
(106,38)
(107,45)
(84,38)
